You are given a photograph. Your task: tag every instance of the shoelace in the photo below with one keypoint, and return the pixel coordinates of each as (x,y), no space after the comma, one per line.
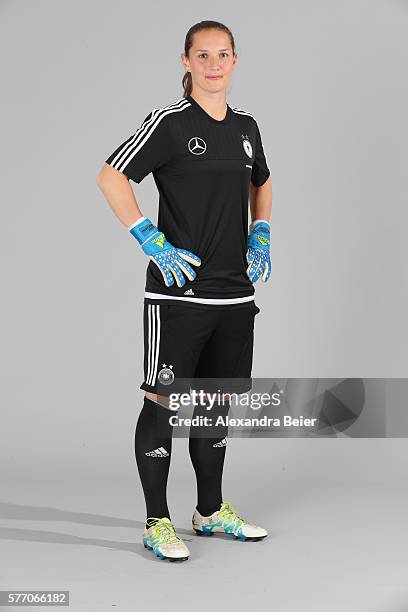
(228,511)
(164,530)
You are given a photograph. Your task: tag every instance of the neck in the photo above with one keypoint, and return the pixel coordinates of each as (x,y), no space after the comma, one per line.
(215,104)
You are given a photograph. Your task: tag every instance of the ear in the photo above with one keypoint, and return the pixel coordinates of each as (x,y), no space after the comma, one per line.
(185,62)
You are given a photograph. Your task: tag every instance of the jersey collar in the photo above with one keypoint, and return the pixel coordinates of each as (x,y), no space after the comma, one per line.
(200,110)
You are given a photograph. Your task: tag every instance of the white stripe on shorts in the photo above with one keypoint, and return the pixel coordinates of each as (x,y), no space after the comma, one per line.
(153,316)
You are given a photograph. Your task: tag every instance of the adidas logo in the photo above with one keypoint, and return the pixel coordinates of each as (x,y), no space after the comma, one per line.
(159,452)
(222,443)
(159,240)
(189,292)
(262,240)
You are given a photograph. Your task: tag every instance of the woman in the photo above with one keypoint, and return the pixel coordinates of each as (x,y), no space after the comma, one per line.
(207,160)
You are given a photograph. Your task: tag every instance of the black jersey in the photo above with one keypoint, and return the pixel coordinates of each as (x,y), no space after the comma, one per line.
(202,168)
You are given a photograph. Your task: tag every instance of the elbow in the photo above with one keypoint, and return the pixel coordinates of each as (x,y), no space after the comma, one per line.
(103,175)
(108,175)
(102,183)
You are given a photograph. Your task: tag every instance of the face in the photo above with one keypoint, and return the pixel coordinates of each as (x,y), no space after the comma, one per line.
(211,60)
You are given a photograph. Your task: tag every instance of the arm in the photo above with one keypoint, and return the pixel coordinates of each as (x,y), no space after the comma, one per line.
(144,151)
(171,261)
(258,254)
(116,188)
(260,201)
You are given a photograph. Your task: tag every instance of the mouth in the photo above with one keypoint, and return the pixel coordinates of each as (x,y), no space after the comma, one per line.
(214,78)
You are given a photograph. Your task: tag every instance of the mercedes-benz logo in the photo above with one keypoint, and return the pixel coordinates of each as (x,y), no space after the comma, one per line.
(196,145)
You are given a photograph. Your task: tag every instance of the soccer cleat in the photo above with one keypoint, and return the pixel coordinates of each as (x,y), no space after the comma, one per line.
(226,520)
(160,537)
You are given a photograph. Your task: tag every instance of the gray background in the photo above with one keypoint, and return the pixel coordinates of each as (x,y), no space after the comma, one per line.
(326,81)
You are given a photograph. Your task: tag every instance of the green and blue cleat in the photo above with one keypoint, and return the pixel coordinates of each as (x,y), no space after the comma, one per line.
(160,537)
(226,520)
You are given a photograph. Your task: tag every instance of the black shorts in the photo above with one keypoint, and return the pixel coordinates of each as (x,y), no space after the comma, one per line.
(182,345)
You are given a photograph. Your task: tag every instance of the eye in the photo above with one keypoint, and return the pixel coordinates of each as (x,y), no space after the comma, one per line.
(202,55)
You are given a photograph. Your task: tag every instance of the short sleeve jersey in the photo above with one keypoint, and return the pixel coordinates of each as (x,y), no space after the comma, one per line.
(202,168)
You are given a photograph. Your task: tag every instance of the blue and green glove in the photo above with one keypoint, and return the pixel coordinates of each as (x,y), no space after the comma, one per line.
(258,254)
(170,260)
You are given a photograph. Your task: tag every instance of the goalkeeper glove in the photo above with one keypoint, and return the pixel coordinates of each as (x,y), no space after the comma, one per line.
(170,260)
(258,254)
